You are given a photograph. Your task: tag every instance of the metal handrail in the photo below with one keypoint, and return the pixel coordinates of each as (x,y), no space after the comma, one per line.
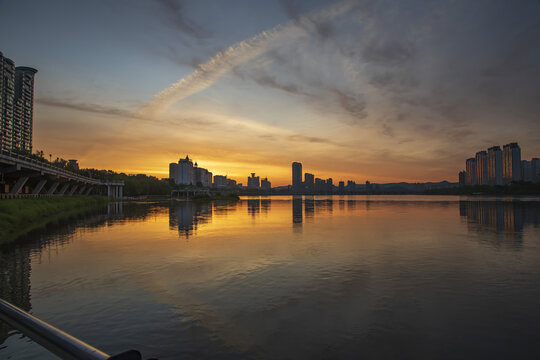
(53,339)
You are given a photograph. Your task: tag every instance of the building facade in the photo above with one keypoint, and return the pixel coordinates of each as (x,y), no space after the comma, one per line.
(16,105)
(7,98)
(511,163)
(535,170)
(481,168)
(266,185)
(220,181)
(253,182)
(495,166)
(23,108)
(470,169)
(173,172)
(297,175)
(462,178)
(185,173)
(526,171)
(309,182)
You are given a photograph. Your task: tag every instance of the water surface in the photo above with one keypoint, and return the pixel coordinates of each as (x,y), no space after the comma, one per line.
(378,277)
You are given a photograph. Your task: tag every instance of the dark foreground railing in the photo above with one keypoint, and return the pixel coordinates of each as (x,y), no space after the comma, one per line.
(56,341)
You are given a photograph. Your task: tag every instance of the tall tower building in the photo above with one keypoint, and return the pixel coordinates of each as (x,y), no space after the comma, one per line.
(173,172)
(23,108)
(185,171)
(309,182)
(296,175)
(495,166)
(535,170)
(16,105)
(481,168)
(7,96)
(511,163)
(470,169)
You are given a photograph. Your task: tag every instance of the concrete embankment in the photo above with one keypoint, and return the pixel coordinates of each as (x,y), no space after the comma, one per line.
(19,216)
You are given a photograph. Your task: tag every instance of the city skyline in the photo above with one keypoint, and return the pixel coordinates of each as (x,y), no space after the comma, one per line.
(351,88)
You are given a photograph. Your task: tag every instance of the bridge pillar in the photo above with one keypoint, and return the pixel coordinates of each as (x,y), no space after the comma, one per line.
(19,185)
(88,191)
(83,188)
(120,192)
(53,188)
(75,186)
(39,186)
(63,189)
(109,191)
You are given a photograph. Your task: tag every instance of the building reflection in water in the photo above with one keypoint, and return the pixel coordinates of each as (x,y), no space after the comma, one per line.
(186,216)
(265,205)
(15,281)
(254,206)
(507,218)
(309,208)
(16,258)
(297,213)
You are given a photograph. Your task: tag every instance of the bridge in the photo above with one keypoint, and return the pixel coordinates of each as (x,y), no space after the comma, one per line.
(23,176)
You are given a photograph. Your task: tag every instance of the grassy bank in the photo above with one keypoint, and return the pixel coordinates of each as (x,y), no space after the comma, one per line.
(19,216)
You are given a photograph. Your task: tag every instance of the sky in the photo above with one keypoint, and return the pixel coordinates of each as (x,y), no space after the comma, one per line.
(385,91)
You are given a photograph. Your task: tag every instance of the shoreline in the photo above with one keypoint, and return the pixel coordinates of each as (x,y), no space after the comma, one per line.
(20,216)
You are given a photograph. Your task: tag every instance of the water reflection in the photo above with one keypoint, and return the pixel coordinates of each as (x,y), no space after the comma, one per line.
(506,218)
(358,272)
(187,216)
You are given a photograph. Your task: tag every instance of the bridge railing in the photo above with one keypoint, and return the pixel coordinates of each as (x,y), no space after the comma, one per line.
(47,165)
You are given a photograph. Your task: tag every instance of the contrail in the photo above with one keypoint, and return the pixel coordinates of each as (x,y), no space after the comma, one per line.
(208,73)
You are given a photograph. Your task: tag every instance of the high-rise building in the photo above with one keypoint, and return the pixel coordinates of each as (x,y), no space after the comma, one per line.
(320,185)
(185,171)
(297,176)
(266,185)
(462,178)
(351,186)
(16,105)
(23,108)
(173,172)
(7,98)
(231,184)
(253,181)
(535,170)
(220,181)
(341,186)
(330,185)
(526,171)
(470,168)
(481,168)
(511,163)
(309,182)
(495,166)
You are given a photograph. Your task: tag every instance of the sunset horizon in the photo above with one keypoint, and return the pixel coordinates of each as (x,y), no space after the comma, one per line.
(353,90)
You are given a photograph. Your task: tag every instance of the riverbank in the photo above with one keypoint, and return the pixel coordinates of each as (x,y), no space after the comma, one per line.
(206,197)
(19,216)
(519,188)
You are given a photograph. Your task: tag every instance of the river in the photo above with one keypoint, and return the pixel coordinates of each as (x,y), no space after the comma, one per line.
(320,277)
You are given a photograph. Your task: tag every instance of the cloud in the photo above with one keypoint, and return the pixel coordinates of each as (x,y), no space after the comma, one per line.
(271,81)
(174,13)
(85,107)
(355,106)
(293,9)
(387,53)
(211,71)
